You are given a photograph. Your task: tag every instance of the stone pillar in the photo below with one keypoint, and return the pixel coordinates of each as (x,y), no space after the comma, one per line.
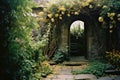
(89,45)
(63,45)
(89,40)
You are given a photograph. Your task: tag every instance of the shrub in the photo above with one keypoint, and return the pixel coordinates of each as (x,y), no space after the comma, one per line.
(42,70)
(114,58)
(60,56)
(96,67)
(20,55)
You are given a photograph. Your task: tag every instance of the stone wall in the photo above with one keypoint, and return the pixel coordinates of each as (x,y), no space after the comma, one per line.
(92,36)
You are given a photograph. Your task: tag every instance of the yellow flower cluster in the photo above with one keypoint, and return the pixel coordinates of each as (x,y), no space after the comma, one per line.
(118,16)
(42,19)
(114,57)
(45,63)
(110,28)
(41,16)
(65,8)
(111,15)
(104,7)
(56,9)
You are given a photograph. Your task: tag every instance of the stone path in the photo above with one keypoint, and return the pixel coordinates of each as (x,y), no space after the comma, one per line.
(64,73)
(61,72)
(72,77)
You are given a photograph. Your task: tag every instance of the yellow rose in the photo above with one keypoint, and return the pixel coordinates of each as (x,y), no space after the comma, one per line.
(45,9)
(62,8)
(111,18)
(118,19)
(110,31)
(100,19)
(118,15)
(41,13)
(98,5)
(68,15)
(108,14)
(111,27)
(43,20)
(63,12)
(52,19)
(113,14)
(50,15)
(56,15)
(76,13)
(89,1)
(60,15)
(60,18)
(90,6)
(104,7)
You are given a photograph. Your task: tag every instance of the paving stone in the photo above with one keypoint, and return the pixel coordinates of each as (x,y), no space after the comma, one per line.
(110,78)
(106,78)
(54,77)
(65,71)
(70,79)
(117,77)
(46,79)
(75,63)
(65,76)
(85,76)
(50,76)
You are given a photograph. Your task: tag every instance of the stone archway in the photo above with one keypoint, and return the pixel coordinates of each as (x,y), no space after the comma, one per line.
(65,33)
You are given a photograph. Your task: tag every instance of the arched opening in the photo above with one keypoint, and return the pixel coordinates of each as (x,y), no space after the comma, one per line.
(77,39)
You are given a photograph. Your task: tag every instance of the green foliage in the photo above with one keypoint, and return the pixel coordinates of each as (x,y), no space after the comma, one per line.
(45,70)
(42,70)
(21,51)
(96,67)
(60,56)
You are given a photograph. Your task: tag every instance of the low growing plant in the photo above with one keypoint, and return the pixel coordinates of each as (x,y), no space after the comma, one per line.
(42,70)
(60,56)
(96,68)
